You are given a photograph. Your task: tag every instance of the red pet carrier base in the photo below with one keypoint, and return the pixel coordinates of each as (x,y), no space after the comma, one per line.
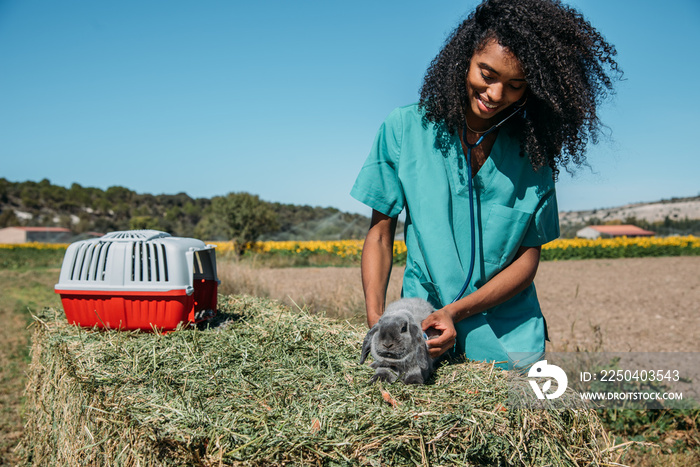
(140,310)
(139,279)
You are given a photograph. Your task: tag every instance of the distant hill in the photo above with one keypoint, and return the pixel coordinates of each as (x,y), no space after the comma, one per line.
(675,209)
(85,209)
(679,216)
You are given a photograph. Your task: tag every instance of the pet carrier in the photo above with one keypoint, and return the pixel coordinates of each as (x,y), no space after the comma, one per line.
(138,279)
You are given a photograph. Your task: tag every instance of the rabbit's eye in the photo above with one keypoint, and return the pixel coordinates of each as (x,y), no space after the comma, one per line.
(404,328)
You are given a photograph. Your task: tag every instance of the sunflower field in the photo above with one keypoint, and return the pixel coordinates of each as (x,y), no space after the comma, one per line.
(349,252)
(621,247)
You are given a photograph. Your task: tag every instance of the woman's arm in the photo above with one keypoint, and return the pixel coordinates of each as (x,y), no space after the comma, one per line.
(505,285)
(377,259)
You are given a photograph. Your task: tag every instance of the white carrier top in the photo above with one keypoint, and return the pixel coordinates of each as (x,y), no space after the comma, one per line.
(138,261)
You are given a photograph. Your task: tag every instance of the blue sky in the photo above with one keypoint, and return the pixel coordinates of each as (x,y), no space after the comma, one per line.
(283,98)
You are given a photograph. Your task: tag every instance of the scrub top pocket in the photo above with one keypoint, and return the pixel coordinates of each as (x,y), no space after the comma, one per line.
(506,227)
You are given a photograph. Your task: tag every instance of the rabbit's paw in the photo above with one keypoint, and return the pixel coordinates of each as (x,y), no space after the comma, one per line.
(414,377)
(384,374)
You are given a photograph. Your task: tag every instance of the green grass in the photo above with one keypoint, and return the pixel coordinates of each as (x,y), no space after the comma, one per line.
(26,257)
(22,291)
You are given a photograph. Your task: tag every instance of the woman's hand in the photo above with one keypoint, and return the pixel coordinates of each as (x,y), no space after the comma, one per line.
(441,332)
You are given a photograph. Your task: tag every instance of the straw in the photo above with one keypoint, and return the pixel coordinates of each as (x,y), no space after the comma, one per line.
(268,385)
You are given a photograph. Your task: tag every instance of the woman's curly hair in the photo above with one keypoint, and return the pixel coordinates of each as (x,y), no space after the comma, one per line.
(568,66)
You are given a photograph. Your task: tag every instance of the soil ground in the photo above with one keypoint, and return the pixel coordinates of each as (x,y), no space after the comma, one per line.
(622,305)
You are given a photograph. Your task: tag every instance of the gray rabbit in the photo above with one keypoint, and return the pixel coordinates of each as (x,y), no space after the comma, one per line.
(398,345)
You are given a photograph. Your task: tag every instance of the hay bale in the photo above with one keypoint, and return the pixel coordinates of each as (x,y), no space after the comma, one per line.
(270,386)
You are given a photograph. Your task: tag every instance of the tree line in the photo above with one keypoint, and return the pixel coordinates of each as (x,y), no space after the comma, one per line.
(242,217)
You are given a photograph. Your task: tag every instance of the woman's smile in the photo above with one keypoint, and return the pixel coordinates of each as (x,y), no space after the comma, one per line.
(486,106)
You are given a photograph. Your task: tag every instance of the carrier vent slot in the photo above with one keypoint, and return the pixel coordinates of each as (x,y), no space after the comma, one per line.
(94,260)
(81,255)
(148,262)
(139,258)
(134,253)
(101,270)
(90,260)
(143,235)
(125,235)
(75,264)
(165,262)
(156,265)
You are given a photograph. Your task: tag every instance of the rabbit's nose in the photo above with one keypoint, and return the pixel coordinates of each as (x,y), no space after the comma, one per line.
(388,345)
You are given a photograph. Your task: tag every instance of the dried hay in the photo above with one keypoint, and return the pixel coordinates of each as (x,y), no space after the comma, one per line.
(266,385)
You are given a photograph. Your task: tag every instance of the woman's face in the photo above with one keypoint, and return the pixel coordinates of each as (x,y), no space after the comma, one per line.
(495,80)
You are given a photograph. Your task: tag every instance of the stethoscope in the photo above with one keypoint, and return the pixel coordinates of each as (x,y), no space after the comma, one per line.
(471,194)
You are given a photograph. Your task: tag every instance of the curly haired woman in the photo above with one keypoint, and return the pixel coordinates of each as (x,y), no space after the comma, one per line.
(510,99)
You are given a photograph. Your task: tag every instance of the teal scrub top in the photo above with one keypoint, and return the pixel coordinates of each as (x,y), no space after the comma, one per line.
(514,205)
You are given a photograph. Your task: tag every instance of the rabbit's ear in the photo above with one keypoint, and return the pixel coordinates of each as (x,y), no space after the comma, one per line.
(419,339)
(417,333)
(367,344)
